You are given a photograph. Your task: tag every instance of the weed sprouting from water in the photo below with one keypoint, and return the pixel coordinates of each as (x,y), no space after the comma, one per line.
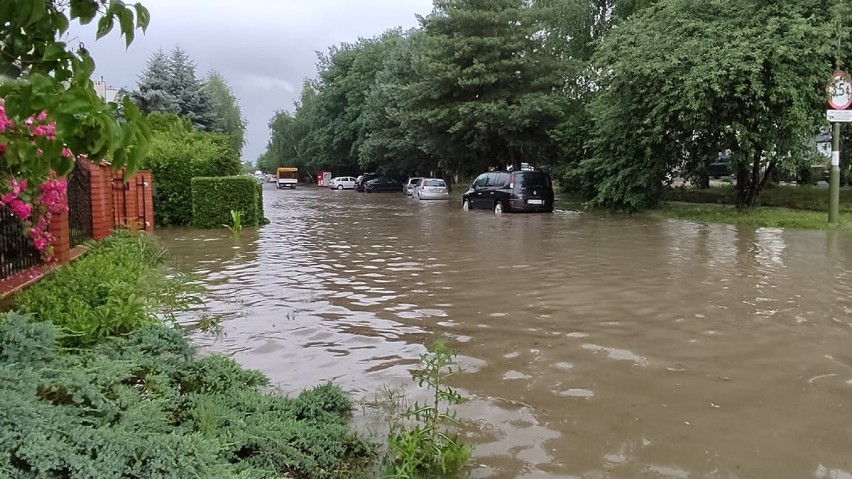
(420,442)
(237,220)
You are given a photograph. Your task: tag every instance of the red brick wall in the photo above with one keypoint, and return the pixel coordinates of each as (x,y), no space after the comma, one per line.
(140,213)
(135,204)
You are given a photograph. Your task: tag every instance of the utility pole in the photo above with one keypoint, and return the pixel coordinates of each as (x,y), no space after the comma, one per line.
(834,178)
(839,91)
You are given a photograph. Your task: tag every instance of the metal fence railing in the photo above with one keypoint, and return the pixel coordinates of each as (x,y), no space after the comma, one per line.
(17,252)
(80,205)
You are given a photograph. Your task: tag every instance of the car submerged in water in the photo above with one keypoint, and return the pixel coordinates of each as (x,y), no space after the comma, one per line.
(431,189)
(510,191)
(382,184)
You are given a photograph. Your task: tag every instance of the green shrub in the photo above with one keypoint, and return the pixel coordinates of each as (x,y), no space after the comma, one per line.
(177,154)
(117,287)
(145,405)
(214,198)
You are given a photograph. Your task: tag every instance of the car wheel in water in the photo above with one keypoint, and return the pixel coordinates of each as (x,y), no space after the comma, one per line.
(339,187)
(466,205)
(498,207)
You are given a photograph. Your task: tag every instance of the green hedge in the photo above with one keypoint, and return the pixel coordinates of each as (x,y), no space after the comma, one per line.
(213,198)
(178,154)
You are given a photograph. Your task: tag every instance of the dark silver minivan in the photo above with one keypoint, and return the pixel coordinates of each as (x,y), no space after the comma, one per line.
(515,191)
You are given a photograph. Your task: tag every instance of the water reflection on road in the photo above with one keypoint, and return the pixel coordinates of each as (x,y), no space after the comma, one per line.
(593,346)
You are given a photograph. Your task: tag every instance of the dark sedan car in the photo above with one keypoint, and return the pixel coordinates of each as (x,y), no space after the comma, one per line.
(361,180)
(382,184)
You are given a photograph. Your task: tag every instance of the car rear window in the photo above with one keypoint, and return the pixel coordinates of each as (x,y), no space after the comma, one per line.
(434,183)
(532,179)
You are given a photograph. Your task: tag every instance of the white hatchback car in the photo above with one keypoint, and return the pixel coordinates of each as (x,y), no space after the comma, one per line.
(342,182)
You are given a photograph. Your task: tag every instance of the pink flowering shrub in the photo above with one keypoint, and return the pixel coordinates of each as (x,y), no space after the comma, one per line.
(34,207)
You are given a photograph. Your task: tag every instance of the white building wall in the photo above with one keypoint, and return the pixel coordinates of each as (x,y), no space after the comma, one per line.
(105,91)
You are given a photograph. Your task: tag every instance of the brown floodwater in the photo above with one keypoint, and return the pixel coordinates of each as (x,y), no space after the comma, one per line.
(593,346)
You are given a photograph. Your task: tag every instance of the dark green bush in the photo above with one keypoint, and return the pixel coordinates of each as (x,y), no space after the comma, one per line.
(145,405)
(117,287)
(213,199)
(178,154)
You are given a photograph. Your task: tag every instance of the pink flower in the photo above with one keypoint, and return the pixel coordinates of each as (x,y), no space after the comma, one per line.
(20,209)
(41,243)
(42,116)
(66,153)
(7,198)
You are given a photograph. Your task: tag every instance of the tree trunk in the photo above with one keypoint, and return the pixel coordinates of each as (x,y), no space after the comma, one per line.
(742,185)
(768,176)
(754,183)
(749,183)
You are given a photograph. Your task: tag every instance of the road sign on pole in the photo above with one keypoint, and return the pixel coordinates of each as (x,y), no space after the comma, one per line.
(839,116)
(839,91)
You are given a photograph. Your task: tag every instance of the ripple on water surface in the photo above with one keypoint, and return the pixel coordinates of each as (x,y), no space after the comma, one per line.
(592,345)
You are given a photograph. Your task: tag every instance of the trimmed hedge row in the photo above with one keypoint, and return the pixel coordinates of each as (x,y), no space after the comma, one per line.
(177,154)
(213,198)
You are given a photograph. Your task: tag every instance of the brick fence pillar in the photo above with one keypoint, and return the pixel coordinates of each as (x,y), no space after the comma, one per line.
(148,200)
(61,233)
(102,204)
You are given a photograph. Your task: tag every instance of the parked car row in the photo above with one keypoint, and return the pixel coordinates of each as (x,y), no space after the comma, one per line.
(524,190)
(417,187)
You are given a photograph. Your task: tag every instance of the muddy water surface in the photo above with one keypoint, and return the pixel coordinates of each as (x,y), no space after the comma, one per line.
(593,347)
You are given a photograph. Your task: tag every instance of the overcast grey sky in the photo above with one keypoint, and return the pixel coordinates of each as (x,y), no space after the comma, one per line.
(263,48)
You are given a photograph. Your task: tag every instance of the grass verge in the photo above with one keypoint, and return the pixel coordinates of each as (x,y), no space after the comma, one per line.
(810,198)
(757,216)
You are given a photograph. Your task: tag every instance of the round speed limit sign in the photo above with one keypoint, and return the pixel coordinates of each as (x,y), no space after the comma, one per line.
(839,91)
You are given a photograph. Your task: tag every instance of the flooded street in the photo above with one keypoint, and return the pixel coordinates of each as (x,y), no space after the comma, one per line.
(593,347)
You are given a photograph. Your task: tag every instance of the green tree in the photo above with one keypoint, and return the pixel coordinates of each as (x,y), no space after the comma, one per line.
(152,93)
(39,73)
(193,100)
(387,144)
(169,85)
(687,78)
(292,142)
(483,89)
(226,110)
(336,111)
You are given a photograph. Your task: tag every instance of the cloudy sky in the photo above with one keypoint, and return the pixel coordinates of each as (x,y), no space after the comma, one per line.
(263,48)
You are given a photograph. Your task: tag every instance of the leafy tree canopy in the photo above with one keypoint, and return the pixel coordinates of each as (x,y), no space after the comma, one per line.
(41,73)
(226,110)
(686,79)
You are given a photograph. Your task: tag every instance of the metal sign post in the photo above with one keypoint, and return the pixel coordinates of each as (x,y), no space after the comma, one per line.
(839,91)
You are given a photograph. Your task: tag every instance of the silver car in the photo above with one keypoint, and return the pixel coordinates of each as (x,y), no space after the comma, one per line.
(431,189)
(410,185)
(342,182)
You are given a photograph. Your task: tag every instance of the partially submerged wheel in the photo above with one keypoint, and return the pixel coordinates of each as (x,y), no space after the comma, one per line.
(498,208)
(339,187)
(466,205)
